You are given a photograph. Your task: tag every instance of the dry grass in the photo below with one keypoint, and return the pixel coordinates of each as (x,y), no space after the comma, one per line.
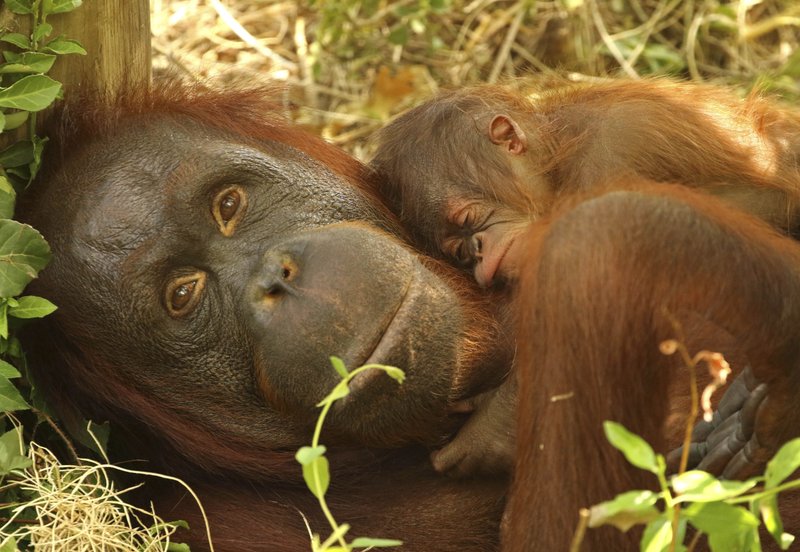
(349,77)
(79,508)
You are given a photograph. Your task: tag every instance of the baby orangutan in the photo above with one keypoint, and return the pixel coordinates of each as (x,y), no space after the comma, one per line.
(471,170)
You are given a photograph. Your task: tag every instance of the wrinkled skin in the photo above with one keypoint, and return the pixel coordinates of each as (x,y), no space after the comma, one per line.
(203,279)
(165,230)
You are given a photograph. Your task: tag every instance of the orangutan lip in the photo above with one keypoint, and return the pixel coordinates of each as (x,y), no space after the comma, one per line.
(388,339)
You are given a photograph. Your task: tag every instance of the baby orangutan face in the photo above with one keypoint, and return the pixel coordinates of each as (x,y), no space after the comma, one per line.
(484,235)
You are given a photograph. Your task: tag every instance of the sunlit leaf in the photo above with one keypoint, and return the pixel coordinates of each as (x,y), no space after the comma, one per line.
(700,486)
(11,455)
(17,39)
(10,397)
(636,450)
(64,46)
(395,373)
(783,464)
(31,93)
(340,391)
(317,476)
(657,535)
(15,120)
(7,370)
(728,527)
(338,365)
(31,62)
(768,507)
(306,455)
(60,6)
(43,30)
(31,306)
(625,510)
(23,253)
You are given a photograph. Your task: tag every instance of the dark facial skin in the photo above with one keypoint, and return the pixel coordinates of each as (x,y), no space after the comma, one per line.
(216,277)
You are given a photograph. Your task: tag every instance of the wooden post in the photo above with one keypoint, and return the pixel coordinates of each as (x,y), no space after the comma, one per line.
(116,36)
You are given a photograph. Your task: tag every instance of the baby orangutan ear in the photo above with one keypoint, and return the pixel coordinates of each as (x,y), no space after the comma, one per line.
(503,130)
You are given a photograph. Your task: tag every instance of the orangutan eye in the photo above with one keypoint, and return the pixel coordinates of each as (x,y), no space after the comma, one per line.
(458,250)
(183,294)
(228,208)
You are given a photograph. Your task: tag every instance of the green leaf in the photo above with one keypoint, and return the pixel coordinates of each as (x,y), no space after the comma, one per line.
(23,253)
(42,31)
(768,507)
(17,39)
(635,449)
(10,397)
(340,391)
(9,545)
(17,154)
(31,93)
(14,349)
(783,464)
(700,486)
(177,547)
(306,455)
(729,528)
(657,535)
(21,7)
(63,46)
(90,434)
(60,6)
(399,35)
(395,373)
(2,121)
(3,319)
(31,62)
(317,476)
(366,542)
(625,510)
(36,163)
(15,120)
(338,365)
(7,370)
(11,456)
(31,306)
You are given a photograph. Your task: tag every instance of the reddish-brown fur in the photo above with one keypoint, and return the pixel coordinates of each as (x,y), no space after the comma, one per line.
(594,340)
(254,493)
(621,246)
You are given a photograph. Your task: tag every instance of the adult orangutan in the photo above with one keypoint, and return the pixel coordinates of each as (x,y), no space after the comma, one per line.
(582,202)
(207,260)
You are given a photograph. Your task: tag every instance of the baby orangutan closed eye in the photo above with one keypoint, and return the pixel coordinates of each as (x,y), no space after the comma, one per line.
(471,172)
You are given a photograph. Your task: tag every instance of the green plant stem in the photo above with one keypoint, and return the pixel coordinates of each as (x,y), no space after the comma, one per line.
(315,443)
(691,365)
(794,484)
(35,22)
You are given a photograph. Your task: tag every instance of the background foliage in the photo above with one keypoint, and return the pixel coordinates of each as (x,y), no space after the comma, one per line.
(352,64)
